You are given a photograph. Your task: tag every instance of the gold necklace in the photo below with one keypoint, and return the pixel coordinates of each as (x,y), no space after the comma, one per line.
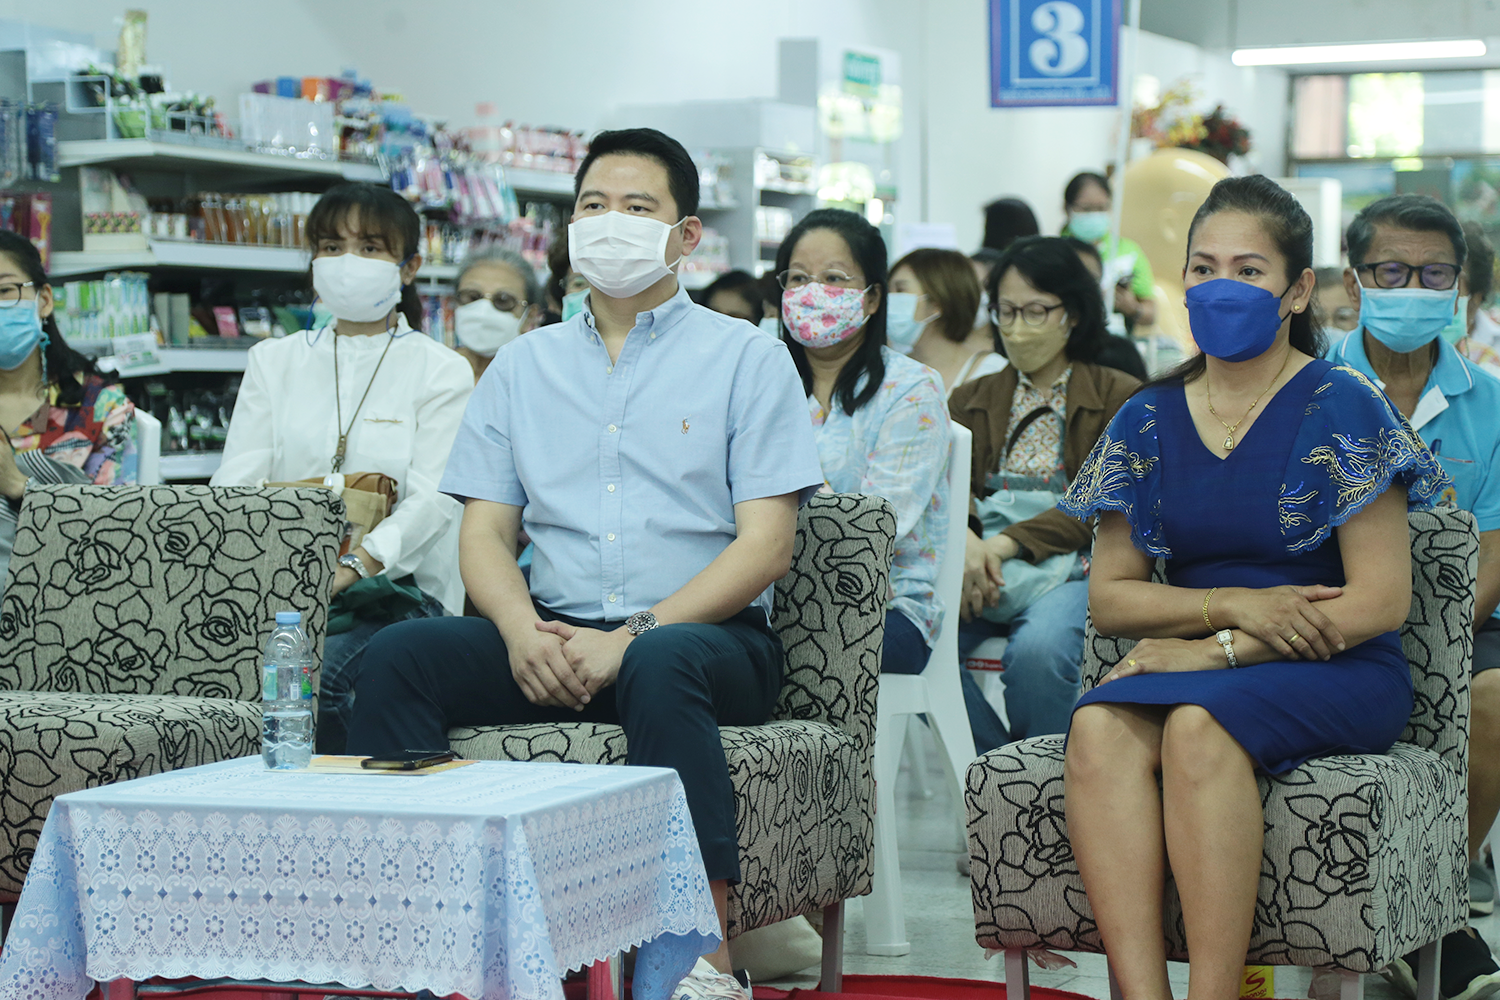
(338,402)
(1229,431)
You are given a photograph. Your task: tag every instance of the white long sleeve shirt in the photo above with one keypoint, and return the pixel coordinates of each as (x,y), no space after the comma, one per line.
(285,428)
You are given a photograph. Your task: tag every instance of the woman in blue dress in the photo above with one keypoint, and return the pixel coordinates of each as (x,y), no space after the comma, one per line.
(1276,486)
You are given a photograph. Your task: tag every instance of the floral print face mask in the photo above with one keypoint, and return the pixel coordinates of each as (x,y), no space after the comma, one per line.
(820,315)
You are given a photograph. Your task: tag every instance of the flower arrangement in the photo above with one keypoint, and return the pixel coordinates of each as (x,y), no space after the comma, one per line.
(1172,122)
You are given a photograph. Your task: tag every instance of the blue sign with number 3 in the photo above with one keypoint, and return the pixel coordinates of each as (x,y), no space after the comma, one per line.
(1053,52)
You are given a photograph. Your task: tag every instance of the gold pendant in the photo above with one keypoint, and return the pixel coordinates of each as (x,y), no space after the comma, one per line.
(1229,442)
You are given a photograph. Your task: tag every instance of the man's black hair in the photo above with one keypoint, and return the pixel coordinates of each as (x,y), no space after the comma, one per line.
(1417,212)
(682,173)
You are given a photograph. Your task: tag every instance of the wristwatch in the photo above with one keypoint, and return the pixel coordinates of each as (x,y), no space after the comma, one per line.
(354,562)
(1226,639)
(641,621)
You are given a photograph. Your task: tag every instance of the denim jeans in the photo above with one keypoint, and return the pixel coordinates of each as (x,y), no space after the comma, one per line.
(343,659)
(1042,660)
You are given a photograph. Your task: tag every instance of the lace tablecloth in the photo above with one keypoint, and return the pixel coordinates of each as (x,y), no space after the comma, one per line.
(488,880)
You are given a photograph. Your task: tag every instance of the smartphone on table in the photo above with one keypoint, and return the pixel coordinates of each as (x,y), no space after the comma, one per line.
(408,760)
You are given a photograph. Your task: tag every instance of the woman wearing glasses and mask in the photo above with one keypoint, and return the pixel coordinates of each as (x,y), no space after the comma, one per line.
(64,422)
(878,417)
(497,301)
(1034,423)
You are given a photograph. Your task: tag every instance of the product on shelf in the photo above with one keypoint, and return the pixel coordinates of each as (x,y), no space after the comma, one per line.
(191,419)
(271,124)
(29,215)
(274,220)
(28,142)
(113,212)
(116,306)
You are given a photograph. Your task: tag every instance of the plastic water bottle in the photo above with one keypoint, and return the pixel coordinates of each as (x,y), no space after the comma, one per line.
(286,696)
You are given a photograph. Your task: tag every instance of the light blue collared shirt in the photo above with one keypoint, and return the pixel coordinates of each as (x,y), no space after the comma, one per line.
(629,472)
(1458,415)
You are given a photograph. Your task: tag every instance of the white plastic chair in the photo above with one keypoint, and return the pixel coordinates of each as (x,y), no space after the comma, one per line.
(937,693)
(147,431)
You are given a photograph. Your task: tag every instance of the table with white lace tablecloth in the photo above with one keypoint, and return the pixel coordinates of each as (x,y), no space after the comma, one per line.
(490,880)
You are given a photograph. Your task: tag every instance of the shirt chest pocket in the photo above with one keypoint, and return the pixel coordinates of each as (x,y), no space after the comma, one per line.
(386,437)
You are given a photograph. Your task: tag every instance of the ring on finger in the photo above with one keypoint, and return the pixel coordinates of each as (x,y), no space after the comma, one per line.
(1131,662)
(1296,637)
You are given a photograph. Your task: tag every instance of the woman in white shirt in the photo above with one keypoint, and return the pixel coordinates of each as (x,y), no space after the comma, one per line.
(369,392)
(935,298)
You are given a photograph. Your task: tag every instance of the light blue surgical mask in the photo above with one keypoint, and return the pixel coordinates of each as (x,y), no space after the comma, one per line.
(1091,227)
(1405,319)
(1459,328)
(20,333)
(902,328)
(572,303)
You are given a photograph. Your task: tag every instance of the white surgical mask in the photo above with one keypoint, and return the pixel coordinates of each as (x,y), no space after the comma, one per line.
(355,288)
(620,255)
(484,329)
(771,327)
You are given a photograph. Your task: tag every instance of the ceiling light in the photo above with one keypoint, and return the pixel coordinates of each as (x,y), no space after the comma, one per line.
(1317,55)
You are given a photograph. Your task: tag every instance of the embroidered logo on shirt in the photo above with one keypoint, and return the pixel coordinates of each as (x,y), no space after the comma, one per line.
(384,420)
(684,425)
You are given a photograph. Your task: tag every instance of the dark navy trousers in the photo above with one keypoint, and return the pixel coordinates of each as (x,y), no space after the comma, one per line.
(677,685)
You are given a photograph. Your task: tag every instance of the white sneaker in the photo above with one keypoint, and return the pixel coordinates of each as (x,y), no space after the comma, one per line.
(707,983)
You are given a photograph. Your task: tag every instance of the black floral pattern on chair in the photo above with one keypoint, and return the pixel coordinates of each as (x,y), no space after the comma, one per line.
(803,786)
(131,631)
(1365,856)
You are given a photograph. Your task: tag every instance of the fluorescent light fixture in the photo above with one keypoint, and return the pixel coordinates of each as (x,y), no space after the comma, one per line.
(1317,55)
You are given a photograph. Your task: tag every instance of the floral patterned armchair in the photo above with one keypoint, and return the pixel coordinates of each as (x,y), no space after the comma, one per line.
(803,782)
(1366,857)
(131,630)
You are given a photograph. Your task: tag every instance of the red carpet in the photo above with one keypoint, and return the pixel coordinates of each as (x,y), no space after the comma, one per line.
(918,988)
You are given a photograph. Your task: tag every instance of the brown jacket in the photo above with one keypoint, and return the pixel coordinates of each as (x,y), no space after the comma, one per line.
(983,406)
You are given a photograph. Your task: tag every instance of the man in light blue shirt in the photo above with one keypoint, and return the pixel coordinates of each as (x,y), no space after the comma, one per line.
(656,452)
(1406,254)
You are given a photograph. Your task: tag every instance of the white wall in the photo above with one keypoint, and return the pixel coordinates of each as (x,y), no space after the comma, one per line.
(977,153)
(566,62)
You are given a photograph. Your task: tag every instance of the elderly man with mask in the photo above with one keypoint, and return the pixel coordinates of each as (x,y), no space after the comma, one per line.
(1405,254)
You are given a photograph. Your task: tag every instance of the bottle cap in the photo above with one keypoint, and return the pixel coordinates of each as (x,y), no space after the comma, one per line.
(288,618)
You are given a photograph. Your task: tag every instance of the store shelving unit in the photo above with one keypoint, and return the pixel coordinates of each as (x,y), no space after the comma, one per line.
(181,254)
(144,154)
(179,465)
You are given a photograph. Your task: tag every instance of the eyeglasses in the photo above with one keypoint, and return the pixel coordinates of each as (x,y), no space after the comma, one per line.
(503,301)
(10,293)
(797,279)
(1394,274)
(1033,313)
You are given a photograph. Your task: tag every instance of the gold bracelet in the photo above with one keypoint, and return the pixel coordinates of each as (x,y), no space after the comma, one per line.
(1206,598)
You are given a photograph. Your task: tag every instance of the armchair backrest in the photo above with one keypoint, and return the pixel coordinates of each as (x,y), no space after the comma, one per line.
(161,589)
(830,612)
(1438,636)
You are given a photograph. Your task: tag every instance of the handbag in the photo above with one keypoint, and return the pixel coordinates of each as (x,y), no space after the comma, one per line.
(369,498)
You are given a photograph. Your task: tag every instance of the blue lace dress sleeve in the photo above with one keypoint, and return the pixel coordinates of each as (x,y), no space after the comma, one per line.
(1351,447)
(1123,473)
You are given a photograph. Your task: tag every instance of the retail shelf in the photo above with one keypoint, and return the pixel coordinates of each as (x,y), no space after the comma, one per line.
(174,156)
(181,253)
(543,182)
(438,272)
(204,359)
(190,464)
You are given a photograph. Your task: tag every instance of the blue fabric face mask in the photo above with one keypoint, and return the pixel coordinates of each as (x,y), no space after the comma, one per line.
(1459,328)
(902,328)
(1233,320)
(1405,319)
(572,303)
(20,333)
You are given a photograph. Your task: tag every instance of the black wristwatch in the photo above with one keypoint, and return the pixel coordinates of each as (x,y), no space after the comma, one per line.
(641,621)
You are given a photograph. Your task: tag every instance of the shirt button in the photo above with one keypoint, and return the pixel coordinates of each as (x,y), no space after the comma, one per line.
(611,598)
(610,536)
(610,370)
(611,487)
(612,428)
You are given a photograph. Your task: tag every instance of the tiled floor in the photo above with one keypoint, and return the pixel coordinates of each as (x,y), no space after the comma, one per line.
(939,914)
